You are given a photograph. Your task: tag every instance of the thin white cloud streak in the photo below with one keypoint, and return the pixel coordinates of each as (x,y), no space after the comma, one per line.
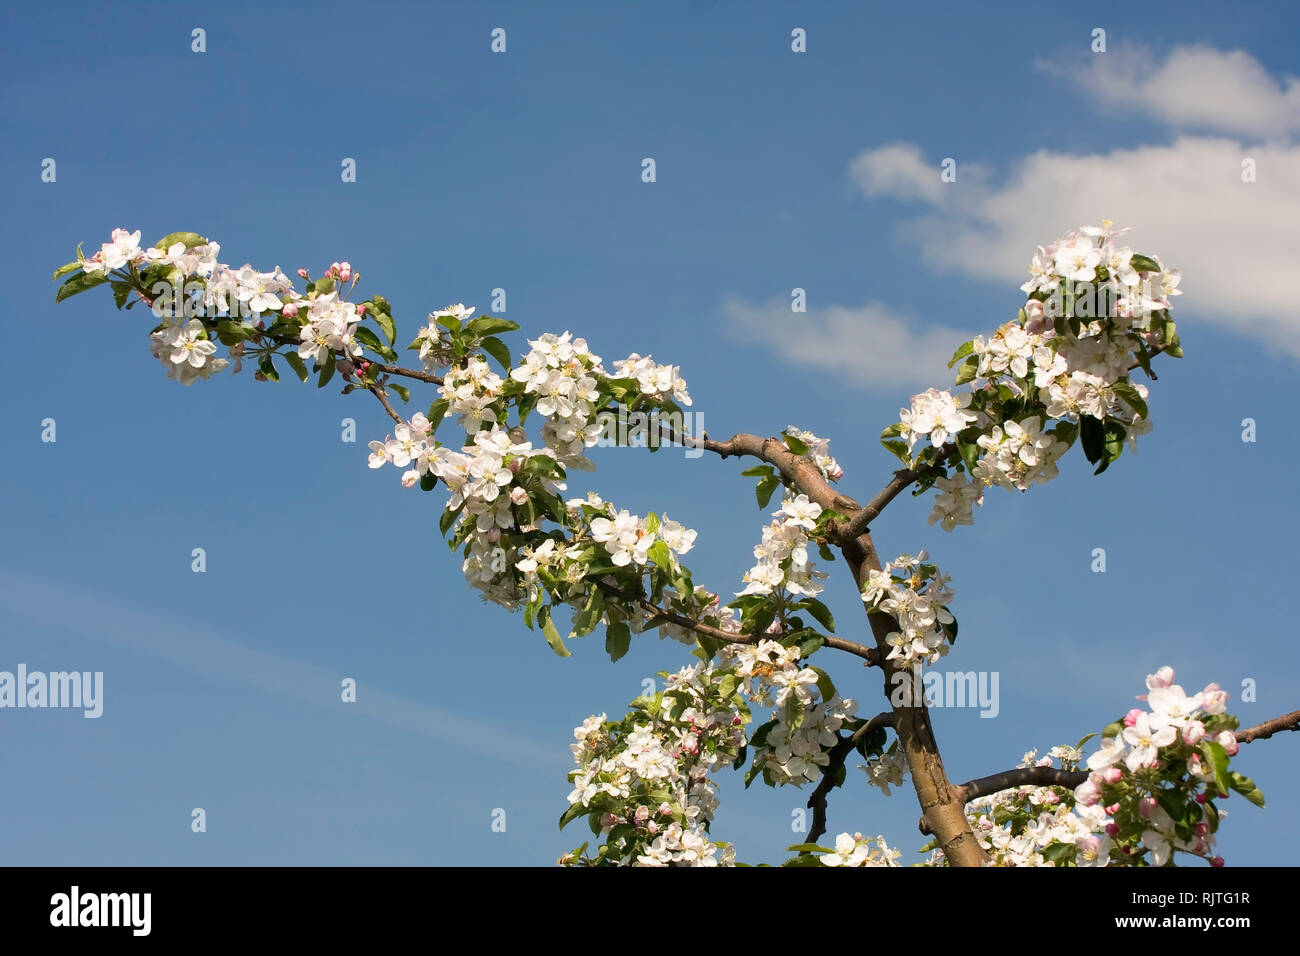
(100,619)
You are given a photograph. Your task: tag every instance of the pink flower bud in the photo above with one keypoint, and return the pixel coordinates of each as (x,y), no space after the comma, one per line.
(515,465)
(1087,793)
(1201,797)
(409,478)
(1216,861)
(493,534)
(608,819)
(665,810)
(1112,829)
(1132,716)
(302,273)
(1145,806)
(641,815)
(1228,741)
(1193,732)
(518,496)
(653,827)
(1214,700)
(1161,678)
(345,271)
(1112,775)
(1200,829)
(361,309)
(291,309)
(333,269)
(1112,809)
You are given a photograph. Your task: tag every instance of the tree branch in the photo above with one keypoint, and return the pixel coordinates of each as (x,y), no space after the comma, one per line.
(379,394)
(868,654)
(838,754)
(1268,728)
(1052,777)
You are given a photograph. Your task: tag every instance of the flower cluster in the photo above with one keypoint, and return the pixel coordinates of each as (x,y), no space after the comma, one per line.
(644,782)
(793,746)
(658,382)
(853,849)
(915,595)
(1150,790)
(819,450)
(783,560)
(1056,374)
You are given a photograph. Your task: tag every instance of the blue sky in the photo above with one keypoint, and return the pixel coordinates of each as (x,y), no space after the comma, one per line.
(521,170)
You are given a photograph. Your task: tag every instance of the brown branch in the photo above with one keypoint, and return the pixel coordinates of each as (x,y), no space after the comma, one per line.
(407,373)
(1268,728)
(868,654)
(379,394)
(838,754)
(1052,777)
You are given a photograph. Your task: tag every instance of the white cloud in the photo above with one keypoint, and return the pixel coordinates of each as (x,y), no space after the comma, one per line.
(1235,242)
(1195,87)
(898,170)
(867,346)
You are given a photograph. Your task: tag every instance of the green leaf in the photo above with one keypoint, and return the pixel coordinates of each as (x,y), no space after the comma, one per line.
(824,683)
(80,283)
(1140,263)
(65,269)
(757,471)
(552,635)
(385,322)
(1059,853)
(963,350)
(807,848)
(618,638)
(765,488)
(401,390)
(297,364)
(572,813)
(1131,396)
(497,349)
(327,371)
(820,611)
(448,518)
(267,368)
(969,370)
(437,411)
(368,338)
(448,322)
(661,556)
(727,686)
(796,445)
(190,239)
(1246,787)
(811,646)
(487,325)
(1093,437)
